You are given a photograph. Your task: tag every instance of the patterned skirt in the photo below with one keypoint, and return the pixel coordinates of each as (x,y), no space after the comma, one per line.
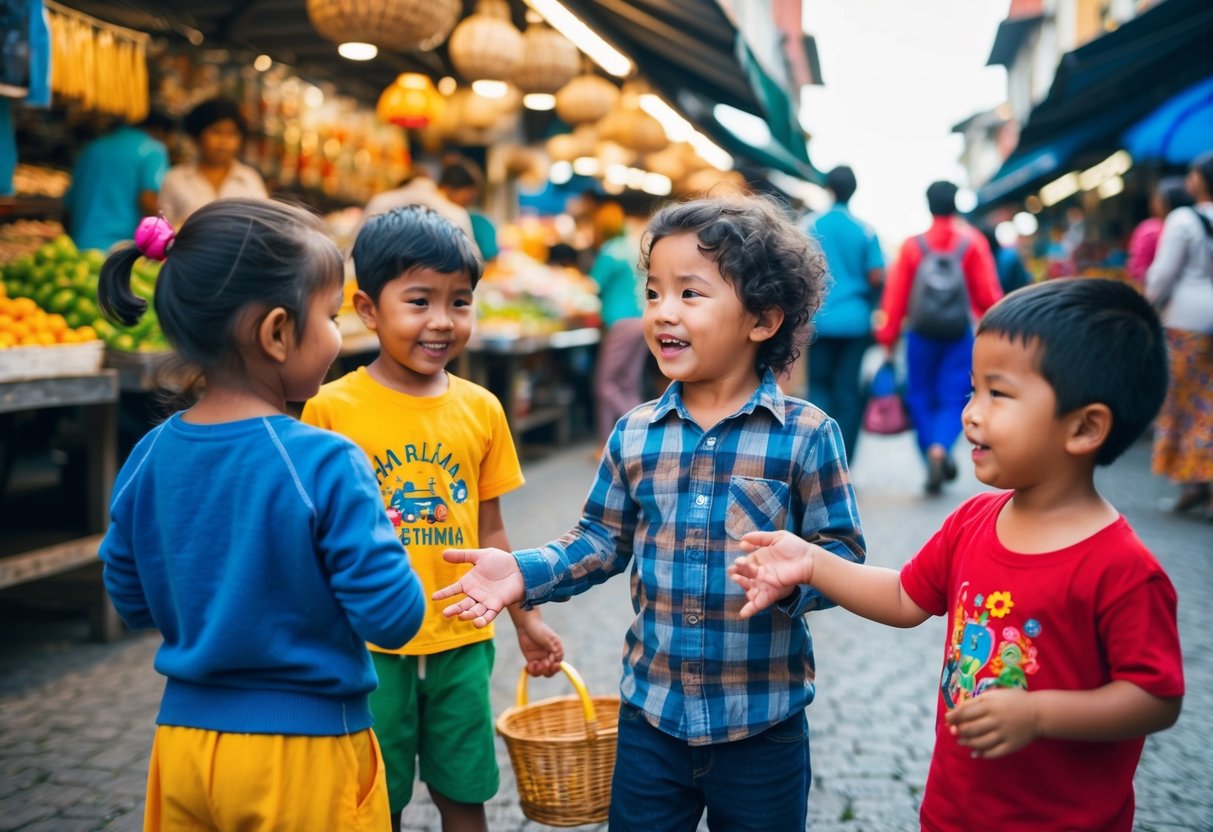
(1183,437)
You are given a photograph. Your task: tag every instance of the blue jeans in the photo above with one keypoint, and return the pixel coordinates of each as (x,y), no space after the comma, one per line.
(661,784)
(937,385)
(834,368)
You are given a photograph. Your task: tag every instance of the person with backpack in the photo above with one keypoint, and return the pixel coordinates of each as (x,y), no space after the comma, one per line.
(942,281)
(842,328)
(1180,283)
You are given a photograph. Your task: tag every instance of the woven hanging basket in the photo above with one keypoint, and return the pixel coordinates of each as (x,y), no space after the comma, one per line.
(549,60)
(400,25)
(485,45)
(585,99)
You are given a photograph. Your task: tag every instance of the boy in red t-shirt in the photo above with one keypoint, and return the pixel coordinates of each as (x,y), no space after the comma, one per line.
(1062,651)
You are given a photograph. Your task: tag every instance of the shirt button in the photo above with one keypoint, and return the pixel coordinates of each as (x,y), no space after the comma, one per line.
(711,441)
(700,500)
(692,619)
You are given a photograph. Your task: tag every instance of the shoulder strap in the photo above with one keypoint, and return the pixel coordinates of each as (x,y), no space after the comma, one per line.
(1204,221)
(922,243)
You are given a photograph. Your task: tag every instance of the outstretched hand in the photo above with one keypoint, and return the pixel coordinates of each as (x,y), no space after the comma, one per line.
(998,722)
(777,562)
(493,583)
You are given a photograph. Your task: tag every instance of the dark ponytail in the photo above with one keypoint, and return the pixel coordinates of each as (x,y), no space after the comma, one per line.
(114,295)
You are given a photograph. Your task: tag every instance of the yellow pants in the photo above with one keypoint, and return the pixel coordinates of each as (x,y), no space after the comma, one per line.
(258,782)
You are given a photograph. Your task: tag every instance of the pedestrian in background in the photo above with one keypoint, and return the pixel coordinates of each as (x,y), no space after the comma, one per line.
(1012,273)
(218,129)
(1062,647)
(938,352)
(1180,283)
(255,544)
(1170,193)
(620,368)
(116,181)
(842,328)
(457,187)
(416,272)
(713,711)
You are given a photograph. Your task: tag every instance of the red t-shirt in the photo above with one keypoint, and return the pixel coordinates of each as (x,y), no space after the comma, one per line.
(1075,619)
(945,234)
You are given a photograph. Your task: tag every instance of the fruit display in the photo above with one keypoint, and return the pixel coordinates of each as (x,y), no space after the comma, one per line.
(24,324)
(521,297)
(63,281)
(25,236)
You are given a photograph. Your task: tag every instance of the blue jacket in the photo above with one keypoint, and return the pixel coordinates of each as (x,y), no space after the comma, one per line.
(261,551)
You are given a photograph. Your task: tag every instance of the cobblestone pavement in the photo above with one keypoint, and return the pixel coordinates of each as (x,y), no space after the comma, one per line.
(76,718)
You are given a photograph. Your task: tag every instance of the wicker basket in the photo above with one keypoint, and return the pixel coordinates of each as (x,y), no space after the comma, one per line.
(563,753)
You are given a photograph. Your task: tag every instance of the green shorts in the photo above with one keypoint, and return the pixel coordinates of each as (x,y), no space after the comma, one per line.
(436,708)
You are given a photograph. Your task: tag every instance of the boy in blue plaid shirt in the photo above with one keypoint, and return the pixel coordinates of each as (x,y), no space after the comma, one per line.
(713,706)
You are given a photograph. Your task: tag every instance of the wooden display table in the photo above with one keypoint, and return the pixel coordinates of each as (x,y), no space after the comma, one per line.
(97,396)
(495,363)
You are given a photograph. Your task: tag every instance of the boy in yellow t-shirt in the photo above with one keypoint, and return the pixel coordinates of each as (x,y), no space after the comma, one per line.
(442,454)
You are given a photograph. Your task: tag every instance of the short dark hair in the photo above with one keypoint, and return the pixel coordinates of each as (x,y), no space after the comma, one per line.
(212,111)
(841,182)
(941,199)
(1097,341)
(231,254)
(1203,165)
(158,120)
(412,237)
(460,174)
(767,259)
(1174,193)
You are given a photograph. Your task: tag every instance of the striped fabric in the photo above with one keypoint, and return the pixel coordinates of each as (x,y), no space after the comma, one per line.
(680,499)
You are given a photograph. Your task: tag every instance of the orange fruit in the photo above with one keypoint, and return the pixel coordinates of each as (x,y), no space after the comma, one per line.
(55,324)
(6,323)
(7,339)
(20,329)
(22,308)
(86,333)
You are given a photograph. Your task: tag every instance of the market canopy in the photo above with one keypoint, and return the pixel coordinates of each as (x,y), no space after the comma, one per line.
(1178,131)
(1105,86)
(689,50)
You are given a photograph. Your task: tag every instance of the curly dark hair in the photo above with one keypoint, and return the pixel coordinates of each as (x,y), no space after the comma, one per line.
(759,250)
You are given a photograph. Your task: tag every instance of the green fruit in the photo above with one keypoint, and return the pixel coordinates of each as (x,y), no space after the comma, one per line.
(63,281)
(123,342)
(104,329)
(61,301)
(94,258)
(45,253)
(85,307)
(65,249)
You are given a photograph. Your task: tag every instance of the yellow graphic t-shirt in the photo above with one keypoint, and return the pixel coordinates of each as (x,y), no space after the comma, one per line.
(435,459)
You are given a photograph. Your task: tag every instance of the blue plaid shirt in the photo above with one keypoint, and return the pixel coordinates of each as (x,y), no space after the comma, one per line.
(679,499)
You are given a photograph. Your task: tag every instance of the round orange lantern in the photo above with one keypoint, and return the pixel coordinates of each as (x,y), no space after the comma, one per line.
(411,101)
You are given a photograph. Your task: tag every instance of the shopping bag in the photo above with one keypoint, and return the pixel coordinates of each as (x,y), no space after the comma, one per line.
(885,413)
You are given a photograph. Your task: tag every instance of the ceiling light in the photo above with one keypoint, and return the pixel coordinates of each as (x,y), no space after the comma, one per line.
(262,62)
(1059,189)
(447,85)
(490,89)
(539,101)
(677,128)
(586,39)
(356,51)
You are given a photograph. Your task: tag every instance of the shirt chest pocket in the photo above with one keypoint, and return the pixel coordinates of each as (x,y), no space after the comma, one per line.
(755,505)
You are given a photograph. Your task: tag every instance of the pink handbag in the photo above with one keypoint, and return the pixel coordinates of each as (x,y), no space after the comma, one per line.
(885,413)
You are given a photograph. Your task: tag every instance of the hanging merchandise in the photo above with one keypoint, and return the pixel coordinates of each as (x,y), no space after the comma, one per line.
(411,101)
(586,98)
(101,65)
(485,46)
(400,25)
(632,127)
(549,59)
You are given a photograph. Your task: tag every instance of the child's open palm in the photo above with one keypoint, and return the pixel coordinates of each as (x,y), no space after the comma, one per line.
(493,583)
(777,562)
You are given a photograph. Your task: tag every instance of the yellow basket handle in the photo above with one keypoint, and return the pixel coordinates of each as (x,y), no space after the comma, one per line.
(587,704)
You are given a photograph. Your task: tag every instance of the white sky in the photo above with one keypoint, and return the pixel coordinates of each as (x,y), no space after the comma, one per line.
(898,74)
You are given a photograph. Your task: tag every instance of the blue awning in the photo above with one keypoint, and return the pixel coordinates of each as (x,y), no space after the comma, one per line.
(1178,131)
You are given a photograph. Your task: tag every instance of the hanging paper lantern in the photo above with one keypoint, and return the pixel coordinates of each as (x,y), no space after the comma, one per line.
(399,25)
(586,98)
(485,45)
(631,126)
(411,101)
(549,59)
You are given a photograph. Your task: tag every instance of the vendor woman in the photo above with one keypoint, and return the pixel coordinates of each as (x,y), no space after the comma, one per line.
(218,130)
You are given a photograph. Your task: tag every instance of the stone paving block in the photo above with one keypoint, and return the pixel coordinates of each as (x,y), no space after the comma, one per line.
(19,812)
(61,824)
(20,781)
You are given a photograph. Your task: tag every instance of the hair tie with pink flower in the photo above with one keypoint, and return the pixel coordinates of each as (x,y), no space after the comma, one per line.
(154,237)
